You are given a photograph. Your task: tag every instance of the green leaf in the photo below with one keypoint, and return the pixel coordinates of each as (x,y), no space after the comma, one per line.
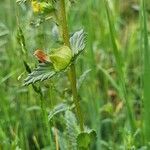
(58,109)
(20,1)
(85,139)
(42,72)
(78,42)
(71,130)
(61,58)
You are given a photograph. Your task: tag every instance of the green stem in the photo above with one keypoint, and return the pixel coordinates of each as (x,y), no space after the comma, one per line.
(45,118)
(72,72)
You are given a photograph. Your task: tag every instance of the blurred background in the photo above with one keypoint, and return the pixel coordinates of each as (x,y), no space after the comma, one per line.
(21,120)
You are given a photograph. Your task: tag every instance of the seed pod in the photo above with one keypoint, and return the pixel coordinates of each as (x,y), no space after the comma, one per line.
(61,58)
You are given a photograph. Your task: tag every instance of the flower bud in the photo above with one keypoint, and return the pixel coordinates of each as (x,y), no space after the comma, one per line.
(41,56)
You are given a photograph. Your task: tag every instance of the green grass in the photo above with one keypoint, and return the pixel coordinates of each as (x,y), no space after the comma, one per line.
(114,96)
(146,75)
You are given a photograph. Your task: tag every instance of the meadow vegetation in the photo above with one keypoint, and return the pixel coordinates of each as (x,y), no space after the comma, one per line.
(74,75)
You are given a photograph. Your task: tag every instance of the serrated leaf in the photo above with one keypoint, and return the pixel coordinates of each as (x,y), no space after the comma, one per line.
(71,130)
(42,72)
(60,59)
(78,42)
(58,109)
(85,139)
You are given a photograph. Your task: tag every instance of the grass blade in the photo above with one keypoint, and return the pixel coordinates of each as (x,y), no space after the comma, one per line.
(119,67)
(146,75)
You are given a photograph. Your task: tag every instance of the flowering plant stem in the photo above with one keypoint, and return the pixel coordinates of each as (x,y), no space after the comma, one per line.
(72,72)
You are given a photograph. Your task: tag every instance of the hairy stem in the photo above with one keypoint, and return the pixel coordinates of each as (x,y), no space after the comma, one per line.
(72,72)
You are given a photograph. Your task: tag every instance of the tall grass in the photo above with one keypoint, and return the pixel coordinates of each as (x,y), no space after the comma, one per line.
(114,76)
(146,74)
(119,66)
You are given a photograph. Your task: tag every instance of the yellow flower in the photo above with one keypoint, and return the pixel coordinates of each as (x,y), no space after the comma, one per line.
(36,6)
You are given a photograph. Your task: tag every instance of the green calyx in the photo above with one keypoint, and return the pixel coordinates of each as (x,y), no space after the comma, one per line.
(61,57)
